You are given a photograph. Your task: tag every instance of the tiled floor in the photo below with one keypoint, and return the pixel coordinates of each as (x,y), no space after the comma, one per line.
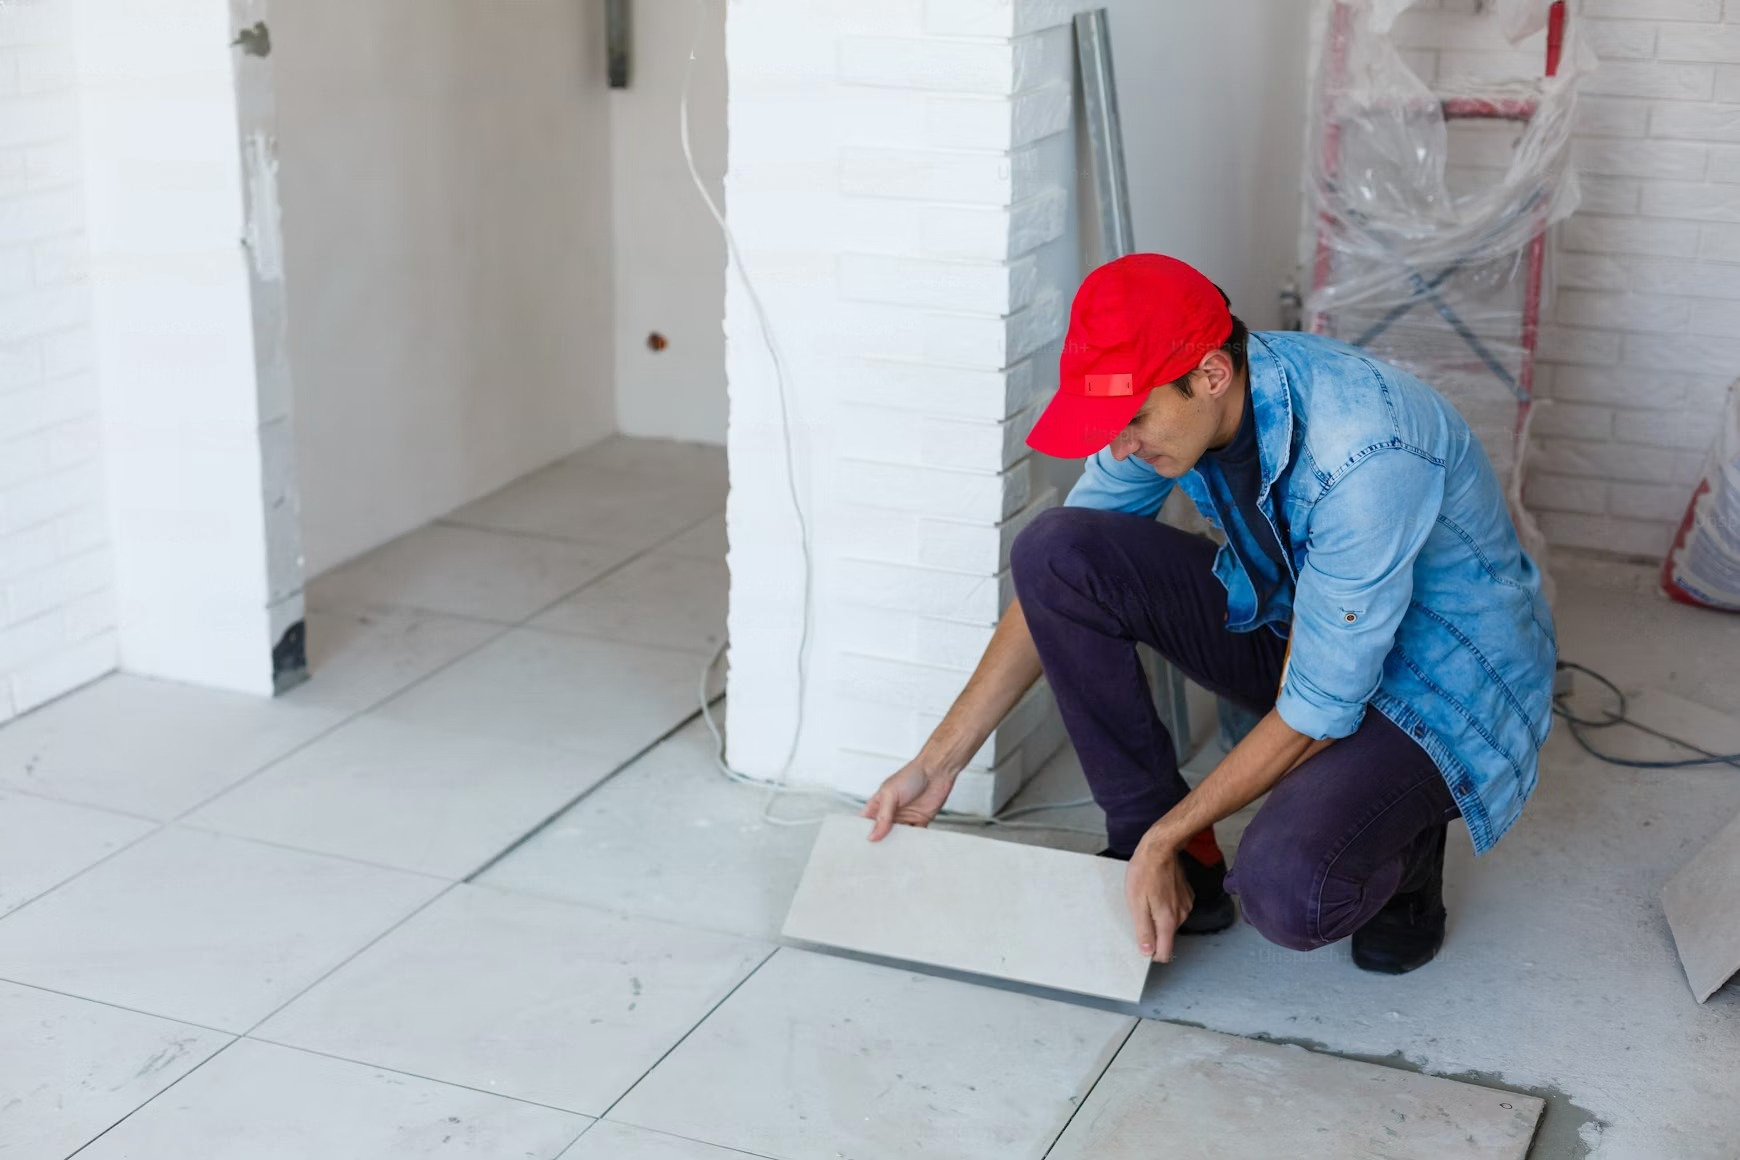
(337,925)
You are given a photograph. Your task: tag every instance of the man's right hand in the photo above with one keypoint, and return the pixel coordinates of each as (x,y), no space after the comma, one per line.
(911,796)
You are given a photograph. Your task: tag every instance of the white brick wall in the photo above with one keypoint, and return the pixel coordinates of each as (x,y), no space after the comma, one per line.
(57,620)
(1641,334)
(916,258)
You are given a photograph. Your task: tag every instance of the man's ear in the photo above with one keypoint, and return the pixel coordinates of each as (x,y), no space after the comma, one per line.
(1217,372)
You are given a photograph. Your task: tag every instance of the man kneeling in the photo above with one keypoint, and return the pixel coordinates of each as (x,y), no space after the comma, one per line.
(1369,564)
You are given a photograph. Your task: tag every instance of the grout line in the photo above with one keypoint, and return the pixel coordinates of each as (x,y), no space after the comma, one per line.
(660,1132)
(595,638)
(251,1038)
(122,1007)
(39,795)
(642,554)
(1088,1092)
(157,828)
(155,1096)
(350,958)
(627,764)
(275,844)
(696,1026)
(447,521)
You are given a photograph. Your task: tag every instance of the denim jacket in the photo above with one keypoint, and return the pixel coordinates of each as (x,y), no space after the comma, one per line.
(1407,588)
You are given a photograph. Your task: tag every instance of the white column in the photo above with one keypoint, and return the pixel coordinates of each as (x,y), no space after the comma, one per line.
(187,276)
(899,183)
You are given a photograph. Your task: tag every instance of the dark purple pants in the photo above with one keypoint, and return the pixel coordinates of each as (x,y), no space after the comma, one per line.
(1336,838)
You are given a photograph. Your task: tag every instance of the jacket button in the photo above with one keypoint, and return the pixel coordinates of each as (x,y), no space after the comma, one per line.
(1463,789)
(1419,731)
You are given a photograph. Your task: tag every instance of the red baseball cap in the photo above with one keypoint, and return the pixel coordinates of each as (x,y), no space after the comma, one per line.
(1138,322)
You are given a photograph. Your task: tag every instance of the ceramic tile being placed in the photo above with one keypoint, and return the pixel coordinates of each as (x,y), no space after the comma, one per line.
(607,1141)
(471,572)
(525,997)
(1703,910)
(597,696)
(359,658)
(1200,1093)
(150,747)
(204,928)
(670,838)
(628,511)
(970,903)
(43,843)
(400,795)
(260,1102)
(817,1056)
(659,599)
(70,1068)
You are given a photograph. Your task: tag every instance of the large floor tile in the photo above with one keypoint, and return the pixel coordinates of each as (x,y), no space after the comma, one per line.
(358,658)
(69,1068)
(659,599)
(400,795)
(150,747)
(583,501)
(475,572)
(260,1102)
(816,1057)
(1049,918)
(44,842)
(1702,904)
(607,1141)
(1206,1094)
(205,928)
(595,696)
(670,838)
(705,541)
(697,464)
(526,997)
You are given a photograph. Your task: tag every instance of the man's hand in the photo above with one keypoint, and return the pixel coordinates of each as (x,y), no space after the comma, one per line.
(1159,898)
(911,796)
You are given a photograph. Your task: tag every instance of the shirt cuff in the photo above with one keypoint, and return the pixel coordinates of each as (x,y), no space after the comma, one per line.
(1316,714)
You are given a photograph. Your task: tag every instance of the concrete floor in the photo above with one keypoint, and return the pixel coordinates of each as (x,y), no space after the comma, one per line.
(477,891)
(1559,974)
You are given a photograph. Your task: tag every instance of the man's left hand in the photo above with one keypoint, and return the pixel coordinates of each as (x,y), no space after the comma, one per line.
(1159,898)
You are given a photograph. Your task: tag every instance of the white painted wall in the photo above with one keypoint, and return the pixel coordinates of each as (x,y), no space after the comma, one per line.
(447,207)
(195,438)
(669,255)
(900,180)
(57,619)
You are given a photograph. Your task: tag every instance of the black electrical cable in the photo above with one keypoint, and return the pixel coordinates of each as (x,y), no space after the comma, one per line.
(1577,724)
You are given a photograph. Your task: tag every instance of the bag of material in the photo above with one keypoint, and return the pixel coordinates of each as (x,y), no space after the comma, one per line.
(1703,566)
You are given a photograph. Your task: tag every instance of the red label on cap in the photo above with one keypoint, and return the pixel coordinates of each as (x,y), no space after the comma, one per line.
(1108,386)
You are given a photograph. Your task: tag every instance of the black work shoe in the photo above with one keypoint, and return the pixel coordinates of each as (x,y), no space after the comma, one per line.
(1406,934)
(1212,908)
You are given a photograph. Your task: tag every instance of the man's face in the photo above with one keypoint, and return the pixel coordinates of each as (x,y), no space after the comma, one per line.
(1171,432)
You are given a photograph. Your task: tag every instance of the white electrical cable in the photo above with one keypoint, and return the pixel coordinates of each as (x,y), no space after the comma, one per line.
(779,787)
(797,507)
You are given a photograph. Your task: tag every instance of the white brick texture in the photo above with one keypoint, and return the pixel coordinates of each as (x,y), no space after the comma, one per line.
(57,615)
(1642,335)
(918,333)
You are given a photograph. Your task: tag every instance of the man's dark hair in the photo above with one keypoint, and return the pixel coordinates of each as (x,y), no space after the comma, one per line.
(1235,349)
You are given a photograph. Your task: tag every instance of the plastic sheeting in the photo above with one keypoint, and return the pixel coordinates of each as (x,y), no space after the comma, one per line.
(1425,263)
